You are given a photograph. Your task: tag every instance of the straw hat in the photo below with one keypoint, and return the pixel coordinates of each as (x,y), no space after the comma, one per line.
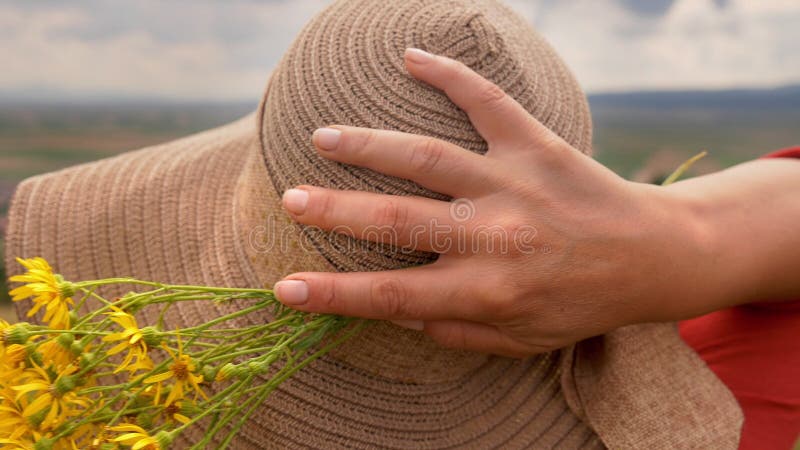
(206,209)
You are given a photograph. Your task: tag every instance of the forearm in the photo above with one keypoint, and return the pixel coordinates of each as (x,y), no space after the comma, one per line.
(749,217)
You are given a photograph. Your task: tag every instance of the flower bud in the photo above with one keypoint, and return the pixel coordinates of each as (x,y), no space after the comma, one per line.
(65,384)
(210,373)
(17,334)
(87,359)
(77,348)
(229,371)
(261,365)
(35,420)
(44,443)
(189,409)
(151,336)
(140,401)
(65,340)
(164,439)
(144,420)
(256,366)
(73,317)
(65,288)
(33,355)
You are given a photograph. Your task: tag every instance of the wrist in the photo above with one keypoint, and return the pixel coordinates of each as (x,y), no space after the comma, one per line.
(723,275)
(690,277)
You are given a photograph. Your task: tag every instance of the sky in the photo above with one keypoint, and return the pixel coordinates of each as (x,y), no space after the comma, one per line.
(209,50)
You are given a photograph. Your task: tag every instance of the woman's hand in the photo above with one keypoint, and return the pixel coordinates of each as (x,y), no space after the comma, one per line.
(541,247)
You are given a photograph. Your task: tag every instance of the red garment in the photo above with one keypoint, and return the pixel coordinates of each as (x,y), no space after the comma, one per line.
(755,350)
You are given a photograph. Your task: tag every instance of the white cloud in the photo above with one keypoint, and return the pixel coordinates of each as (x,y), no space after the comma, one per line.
(694,45)
(224,51)
(47,52)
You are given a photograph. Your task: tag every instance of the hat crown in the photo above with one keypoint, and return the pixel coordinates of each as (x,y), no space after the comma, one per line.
(464,34)
(346,67)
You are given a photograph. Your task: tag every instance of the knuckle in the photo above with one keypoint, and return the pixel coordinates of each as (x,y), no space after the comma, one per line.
(482,304)
(426,155)
(499,296)
(497,306)
(491,96)
(500,235)
(327,297)
(453,336)
(518,235)
(323,210)
(455,70)
(533,345)
(367,139)
(505,303)
(550,139)
(552,150)
(393,215)
(389,298)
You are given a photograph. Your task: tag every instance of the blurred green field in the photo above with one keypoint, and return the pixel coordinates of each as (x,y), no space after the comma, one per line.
(641,136)
(38,138)
(633,132)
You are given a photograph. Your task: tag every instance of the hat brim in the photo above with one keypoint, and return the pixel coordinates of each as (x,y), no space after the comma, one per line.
(169,213)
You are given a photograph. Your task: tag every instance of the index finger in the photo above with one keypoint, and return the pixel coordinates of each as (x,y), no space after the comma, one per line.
(496,116)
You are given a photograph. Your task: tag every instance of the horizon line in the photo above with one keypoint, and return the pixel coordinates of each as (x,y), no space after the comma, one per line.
(101,98)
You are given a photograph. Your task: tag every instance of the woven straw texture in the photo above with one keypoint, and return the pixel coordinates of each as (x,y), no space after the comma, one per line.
(348,64)
(169,213)
(206,209)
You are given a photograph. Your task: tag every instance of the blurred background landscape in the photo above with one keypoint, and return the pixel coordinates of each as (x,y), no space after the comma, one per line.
(666,78)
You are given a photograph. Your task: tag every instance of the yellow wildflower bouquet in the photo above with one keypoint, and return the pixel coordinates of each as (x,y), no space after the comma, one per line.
(97,379)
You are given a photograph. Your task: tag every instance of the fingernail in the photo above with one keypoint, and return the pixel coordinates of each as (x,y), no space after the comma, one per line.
(291,292)
(295,200)
(418,56)
(327,138)
(416,325)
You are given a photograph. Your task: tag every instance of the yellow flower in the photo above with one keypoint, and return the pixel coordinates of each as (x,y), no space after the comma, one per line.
(14,444)
(145,365)
(174,411)
(5,328)
(132,339)
(12,364)
(89,436)
(53,352)
(136,437)
(13,424)
(46,289)
(21,432)
(183,371)
(6,331)
(57,395)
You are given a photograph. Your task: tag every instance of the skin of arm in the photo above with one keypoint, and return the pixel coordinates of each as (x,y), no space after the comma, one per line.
(586,250)
(750,214)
